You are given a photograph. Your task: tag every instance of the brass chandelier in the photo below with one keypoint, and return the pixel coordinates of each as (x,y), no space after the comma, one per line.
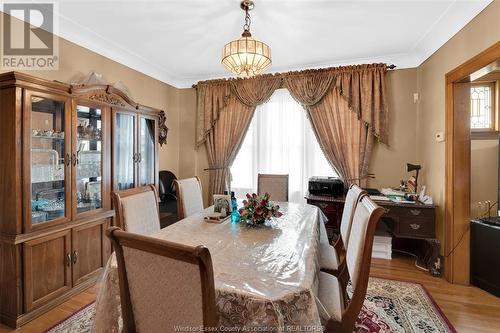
(246,56)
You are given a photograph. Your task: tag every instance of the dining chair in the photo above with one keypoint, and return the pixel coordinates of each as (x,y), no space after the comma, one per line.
(136,210)
(275,185)
(163,285)
(332,257)
(189,196)
(338,311)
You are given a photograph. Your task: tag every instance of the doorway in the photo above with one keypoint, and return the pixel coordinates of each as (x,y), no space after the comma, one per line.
(458,163)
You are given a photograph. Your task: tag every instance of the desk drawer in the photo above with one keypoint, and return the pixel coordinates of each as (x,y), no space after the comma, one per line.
(420,227)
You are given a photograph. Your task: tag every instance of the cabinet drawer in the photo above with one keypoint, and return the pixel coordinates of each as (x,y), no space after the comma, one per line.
(416,227)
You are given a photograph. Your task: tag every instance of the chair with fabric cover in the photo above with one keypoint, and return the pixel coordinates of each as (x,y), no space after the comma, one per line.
(189,197)
(163,285)
(338,312)
(332,257)
(275,185)
(136,210)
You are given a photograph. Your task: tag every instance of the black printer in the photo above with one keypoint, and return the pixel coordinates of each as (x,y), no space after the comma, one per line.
(326,186)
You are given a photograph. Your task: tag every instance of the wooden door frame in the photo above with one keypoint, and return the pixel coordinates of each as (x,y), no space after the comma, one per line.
(457,173)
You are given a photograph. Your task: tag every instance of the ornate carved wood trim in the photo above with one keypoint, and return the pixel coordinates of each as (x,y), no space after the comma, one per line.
(162,129)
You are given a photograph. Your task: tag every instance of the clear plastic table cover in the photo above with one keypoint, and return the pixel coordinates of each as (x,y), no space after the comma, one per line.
(265,277)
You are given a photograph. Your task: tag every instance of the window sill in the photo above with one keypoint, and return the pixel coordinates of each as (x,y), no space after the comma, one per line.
(484,135)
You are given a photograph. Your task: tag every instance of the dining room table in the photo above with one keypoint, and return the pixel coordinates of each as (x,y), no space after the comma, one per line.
(266,277)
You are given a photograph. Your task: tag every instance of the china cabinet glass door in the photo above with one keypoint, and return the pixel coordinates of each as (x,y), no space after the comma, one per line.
(125,157)
(87,159)
(147,162)
(49,145)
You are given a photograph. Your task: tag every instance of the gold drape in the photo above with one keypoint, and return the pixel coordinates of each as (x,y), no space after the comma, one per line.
(346,106)
(224,141)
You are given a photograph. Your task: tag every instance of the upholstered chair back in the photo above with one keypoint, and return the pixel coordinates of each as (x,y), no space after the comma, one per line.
(137,210)
(189,196)
(163,285)
(275,185)
(359,251)
(351,200)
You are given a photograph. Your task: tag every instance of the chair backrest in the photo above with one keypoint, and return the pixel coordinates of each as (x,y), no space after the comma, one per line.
(351,200)
(166,184)
(275,185)
(136,210)
(359,254)
(163,284)
(189,196)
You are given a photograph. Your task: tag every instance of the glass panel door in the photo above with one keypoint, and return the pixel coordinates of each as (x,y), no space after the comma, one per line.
(87,159)
(125,156)
(147,163)
(48,159)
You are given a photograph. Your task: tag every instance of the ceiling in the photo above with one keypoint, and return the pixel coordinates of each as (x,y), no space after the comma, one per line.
(179,41)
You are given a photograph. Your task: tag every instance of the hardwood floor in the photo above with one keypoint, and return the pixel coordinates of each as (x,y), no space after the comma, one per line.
(469,309)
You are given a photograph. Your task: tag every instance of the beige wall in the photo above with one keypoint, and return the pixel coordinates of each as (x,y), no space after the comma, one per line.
(482,32)
(389,162)
(484,175)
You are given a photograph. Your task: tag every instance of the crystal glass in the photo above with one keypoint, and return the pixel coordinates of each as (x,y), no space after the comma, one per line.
(47,160)
(89,159)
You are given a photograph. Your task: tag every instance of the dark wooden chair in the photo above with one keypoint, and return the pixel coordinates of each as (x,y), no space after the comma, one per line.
(163,285)
(136,210)
(338,312)
(168,198)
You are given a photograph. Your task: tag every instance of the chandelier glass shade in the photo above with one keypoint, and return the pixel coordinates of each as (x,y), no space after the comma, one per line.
(246,56)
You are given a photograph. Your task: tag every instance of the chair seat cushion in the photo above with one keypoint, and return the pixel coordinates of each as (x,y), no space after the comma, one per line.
(328,258)
(331,304)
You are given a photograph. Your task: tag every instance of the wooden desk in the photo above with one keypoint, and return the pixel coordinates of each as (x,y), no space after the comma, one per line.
(414,222)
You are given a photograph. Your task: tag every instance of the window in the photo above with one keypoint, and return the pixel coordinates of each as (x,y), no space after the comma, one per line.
(482,107)
(279,140)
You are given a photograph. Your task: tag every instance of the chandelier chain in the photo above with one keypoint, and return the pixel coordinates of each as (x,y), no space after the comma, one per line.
(248,21)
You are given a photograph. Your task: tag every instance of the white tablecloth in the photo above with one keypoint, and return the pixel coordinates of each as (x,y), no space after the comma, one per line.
(265,277)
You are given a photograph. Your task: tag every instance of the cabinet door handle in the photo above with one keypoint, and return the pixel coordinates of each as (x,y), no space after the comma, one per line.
(139,157)
(387,210)
(75,257)
(74,158)
(135,157)
(67,159)
(416,212)
(323,205)
(415,226)
(68,259)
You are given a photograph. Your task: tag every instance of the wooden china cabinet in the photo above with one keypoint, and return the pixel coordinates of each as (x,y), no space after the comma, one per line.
(63,150)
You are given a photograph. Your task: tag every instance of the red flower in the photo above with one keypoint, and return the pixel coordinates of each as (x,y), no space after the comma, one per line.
(249,196)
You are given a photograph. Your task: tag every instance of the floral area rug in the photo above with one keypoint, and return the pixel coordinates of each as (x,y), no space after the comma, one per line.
(398,306)
(390,306)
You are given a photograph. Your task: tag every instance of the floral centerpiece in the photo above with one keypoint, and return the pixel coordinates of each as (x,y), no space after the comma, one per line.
(258,209)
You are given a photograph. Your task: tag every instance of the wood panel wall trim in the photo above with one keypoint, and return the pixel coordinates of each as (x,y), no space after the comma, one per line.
(457,171)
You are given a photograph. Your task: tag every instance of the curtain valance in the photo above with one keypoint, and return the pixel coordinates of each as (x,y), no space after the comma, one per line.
(363,86)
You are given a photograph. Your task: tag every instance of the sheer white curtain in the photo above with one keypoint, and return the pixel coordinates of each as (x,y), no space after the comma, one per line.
(279,141)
